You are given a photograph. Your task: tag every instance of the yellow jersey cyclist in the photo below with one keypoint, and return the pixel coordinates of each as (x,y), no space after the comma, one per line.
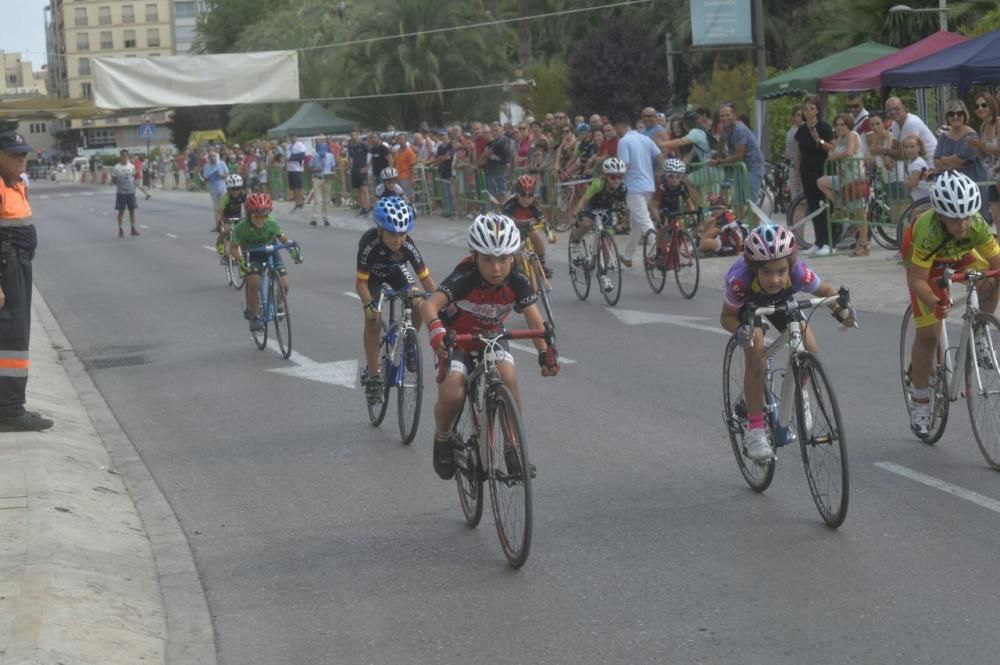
(953,234)
(383,253)
(230,208)
(602,196)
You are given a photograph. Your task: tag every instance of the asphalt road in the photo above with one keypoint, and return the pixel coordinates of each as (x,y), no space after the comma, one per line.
(321,539)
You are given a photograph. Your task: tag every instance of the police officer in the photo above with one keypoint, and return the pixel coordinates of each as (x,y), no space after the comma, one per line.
(17,248)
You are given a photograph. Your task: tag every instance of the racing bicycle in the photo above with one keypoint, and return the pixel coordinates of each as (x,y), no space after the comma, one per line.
(231,264)
(490,445)
(675,250)
(597,253)
(399,360)
(982,369)
(801,391)
(530,265)
(273,299)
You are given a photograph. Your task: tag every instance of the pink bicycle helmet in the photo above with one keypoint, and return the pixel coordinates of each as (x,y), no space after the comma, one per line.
(769,242)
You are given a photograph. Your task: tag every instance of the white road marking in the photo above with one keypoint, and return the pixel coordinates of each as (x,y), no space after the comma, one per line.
(143,226)
(636,318)
(563,360)
(339,373)
(169,235)
(211,249)
(352,294)
(948,488)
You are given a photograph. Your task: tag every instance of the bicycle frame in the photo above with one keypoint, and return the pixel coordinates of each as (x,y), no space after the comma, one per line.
(793,338)
(965,343)
(529,259)
(266,276)
(395,330)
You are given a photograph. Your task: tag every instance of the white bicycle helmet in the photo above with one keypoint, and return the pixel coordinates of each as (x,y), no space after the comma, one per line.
(233,181)
(674,165)
(769,242)
(388,173)
(494,234)
(955,195)
(614,166)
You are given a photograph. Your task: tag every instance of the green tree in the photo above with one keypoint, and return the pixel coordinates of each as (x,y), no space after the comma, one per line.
(550,89)
(224,20)
(617,69)
(433,62)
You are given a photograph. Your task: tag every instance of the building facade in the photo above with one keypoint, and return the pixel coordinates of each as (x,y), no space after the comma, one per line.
(79,30)
(19,81)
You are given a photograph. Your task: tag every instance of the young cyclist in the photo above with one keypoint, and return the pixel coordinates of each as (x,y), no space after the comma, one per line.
(383,253)
(528,216)
(766,274)
(390,184)
(230,210)
(675,195)
(260,228)
(477,297)
(953,234)
(603,194)
(723,234)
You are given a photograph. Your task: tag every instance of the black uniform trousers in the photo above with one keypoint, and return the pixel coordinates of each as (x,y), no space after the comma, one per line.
(17,249)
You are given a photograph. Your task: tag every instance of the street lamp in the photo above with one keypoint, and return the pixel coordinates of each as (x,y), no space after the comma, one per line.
(941,9)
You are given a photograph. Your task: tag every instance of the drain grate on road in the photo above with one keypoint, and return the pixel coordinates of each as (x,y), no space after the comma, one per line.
(115,361)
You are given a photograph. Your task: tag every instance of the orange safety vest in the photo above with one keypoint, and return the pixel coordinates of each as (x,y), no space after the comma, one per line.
(14,207)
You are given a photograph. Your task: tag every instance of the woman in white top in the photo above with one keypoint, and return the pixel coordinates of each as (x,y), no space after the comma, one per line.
(987,109)
(848,174)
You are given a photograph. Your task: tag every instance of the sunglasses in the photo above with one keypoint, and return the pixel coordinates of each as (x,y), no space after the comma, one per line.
(984,105)
(955,114)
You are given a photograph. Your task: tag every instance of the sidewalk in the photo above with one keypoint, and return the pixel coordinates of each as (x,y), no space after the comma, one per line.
(877,282)
(93,566)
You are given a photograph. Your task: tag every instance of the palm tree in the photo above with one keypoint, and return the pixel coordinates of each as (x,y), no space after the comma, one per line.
(423,62)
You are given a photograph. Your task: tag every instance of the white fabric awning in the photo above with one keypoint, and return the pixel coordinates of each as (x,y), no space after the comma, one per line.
(196,80)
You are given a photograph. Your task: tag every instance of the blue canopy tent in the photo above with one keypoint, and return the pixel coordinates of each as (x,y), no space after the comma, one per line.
(962,65)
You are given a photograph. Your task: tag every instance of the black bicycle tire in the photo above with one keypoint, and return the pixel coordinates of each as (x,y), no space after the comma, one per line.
(649,262)
(501,398)
(684,236)
(809,365)
(408,432)
(468,470)
(992,457)
(611,297)
(940,401)
(238,277)
(580,287)
(909,215)
(543,294)
(879,232)
(279,294)
(800,233)
(260,336)
(757,476)
(376,411)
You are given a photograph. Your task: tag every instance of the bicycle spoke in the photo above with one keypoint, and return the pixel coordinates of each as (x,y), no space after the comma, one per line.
(510,488)
(982,390)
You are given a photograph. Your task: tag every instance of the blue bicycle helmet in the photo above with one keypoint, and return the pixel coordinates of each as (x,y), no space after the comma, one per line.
(394,214)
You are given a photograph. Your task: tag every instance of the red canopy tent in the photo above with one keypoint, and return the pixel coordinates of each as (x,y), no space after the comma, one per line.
(869,75)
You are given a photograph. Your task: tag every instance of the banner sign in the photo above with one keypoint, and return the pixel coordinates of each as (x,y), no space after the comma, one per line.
(721,23)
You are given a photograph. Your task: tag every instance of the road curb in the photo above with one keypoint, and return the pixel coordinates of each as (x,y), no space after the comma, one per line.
(190,637)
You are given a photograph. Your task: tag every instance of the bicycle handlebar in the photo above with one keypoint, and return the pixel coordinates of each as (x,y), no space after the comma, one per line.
(749,316)
(273,247)
(950,276)
(450,340)
(389,293)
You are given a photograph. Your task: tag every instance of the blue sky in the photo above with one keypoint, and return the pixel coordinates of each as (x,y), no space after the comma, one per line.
(24,29)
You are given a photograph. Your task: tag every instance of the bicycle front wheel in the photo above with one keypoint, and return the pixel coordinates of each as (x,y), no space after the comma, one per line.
(938,382)
(542,290)
(982,388)
(822,440)
(687,271)
(883,231)
(468,466)
(259,336)
(509,475)
(805,234)
(655,275)
(579,268)
(282,316)
(734,413)
(236,276)
(910,215)
(409,393)
(378,407)
(610,266)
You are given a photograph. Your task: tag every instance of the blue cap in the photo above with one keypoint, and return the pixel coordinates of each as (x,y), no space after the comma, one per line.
(582,127)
